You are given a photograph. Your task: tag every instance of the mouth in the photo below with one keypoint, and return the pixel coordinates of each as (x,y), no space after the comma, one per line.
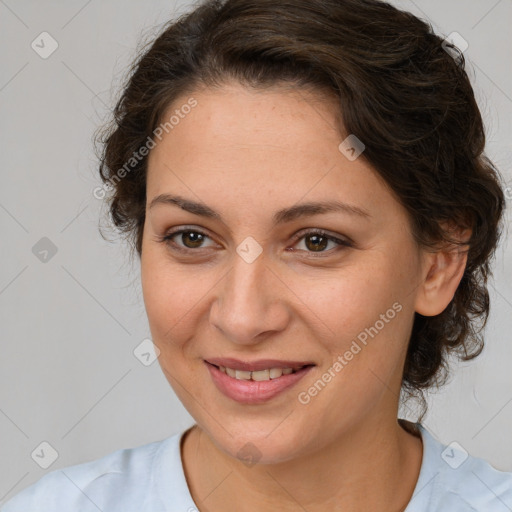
(257,382)
(258,375)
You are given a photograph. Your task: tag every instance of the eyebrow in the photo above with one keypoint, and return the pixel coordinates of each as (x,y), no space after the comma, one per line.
(280,217)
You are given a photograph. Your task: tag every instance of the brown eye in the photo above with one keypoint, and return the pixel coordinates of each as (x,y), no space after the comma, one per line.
(193,238)
(317,242)
(189,240)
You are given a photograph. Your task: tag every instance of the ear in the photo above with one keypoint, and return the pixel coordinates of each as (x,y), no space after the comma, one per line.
(441,274)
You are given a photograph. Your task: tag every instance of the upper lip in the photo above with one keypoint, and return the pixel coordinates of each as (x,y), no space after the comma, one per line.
(254,366)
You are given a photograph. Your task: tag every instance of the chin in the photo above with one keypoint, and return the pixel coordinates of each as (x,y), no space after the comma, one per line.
(258,447)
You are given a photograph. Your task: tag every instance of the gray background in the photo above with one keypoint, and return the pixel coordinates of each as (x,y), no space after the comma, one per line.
(69,325)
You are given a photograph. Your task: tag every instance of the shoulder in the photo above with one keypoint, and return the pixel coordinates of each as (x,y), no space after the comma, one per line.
(453,480)
(121,480)
(477,483)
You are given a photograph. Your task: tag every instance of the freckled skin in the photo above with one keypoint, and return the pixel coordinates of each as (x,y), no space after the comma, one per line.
(247,154)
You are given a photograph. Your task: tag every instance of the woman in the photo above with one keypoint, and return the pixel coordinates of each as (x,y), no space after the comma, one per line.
(305,185)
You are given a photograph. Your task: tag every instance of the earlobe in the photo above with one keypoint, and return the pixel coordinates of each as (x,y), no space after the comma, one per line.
(443,272)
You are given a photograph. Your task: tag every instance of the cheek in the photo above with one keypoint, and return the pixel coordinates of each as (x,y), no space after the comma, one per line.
(369,313)
(349,301)
(171,296)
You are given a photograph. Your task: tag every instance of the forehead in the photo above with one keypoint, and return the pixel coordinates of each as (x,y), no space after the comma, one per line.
(246,145)
(279,117)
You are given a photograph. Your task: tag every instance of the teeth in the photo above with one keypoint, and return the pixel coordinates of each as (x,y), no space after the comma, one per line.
(260,375)
(275,373)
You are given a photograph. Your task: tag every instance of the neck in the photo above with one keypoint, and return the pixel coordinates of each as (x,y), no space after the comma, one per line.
(372,467)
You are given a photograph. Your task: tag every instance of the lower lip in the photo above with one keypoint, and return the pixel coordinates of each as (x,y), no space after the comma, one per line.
(254,392)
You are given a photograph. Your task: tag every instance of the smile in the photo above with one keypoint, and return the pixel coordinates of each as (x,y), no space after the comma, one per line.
(260,375)
(253,383)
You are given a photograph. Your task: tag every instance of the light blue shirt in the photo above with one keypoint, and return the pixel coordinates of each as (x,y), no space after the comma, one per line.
(150,478)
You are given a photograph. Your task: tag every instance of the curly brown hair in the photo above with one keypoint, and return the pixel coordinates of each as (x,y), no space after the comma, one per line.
(398,88)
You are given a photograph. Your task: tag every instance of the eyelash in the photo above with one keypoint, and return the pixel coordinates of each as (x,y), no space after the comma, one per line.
(167,239)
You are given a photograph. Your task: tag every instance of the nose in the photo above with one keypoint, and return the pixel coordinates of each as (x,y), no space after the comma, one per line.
(251,303)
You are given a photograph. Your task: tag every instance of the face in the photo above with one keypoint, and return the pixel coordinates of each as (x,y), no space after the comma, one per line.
(254,279)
